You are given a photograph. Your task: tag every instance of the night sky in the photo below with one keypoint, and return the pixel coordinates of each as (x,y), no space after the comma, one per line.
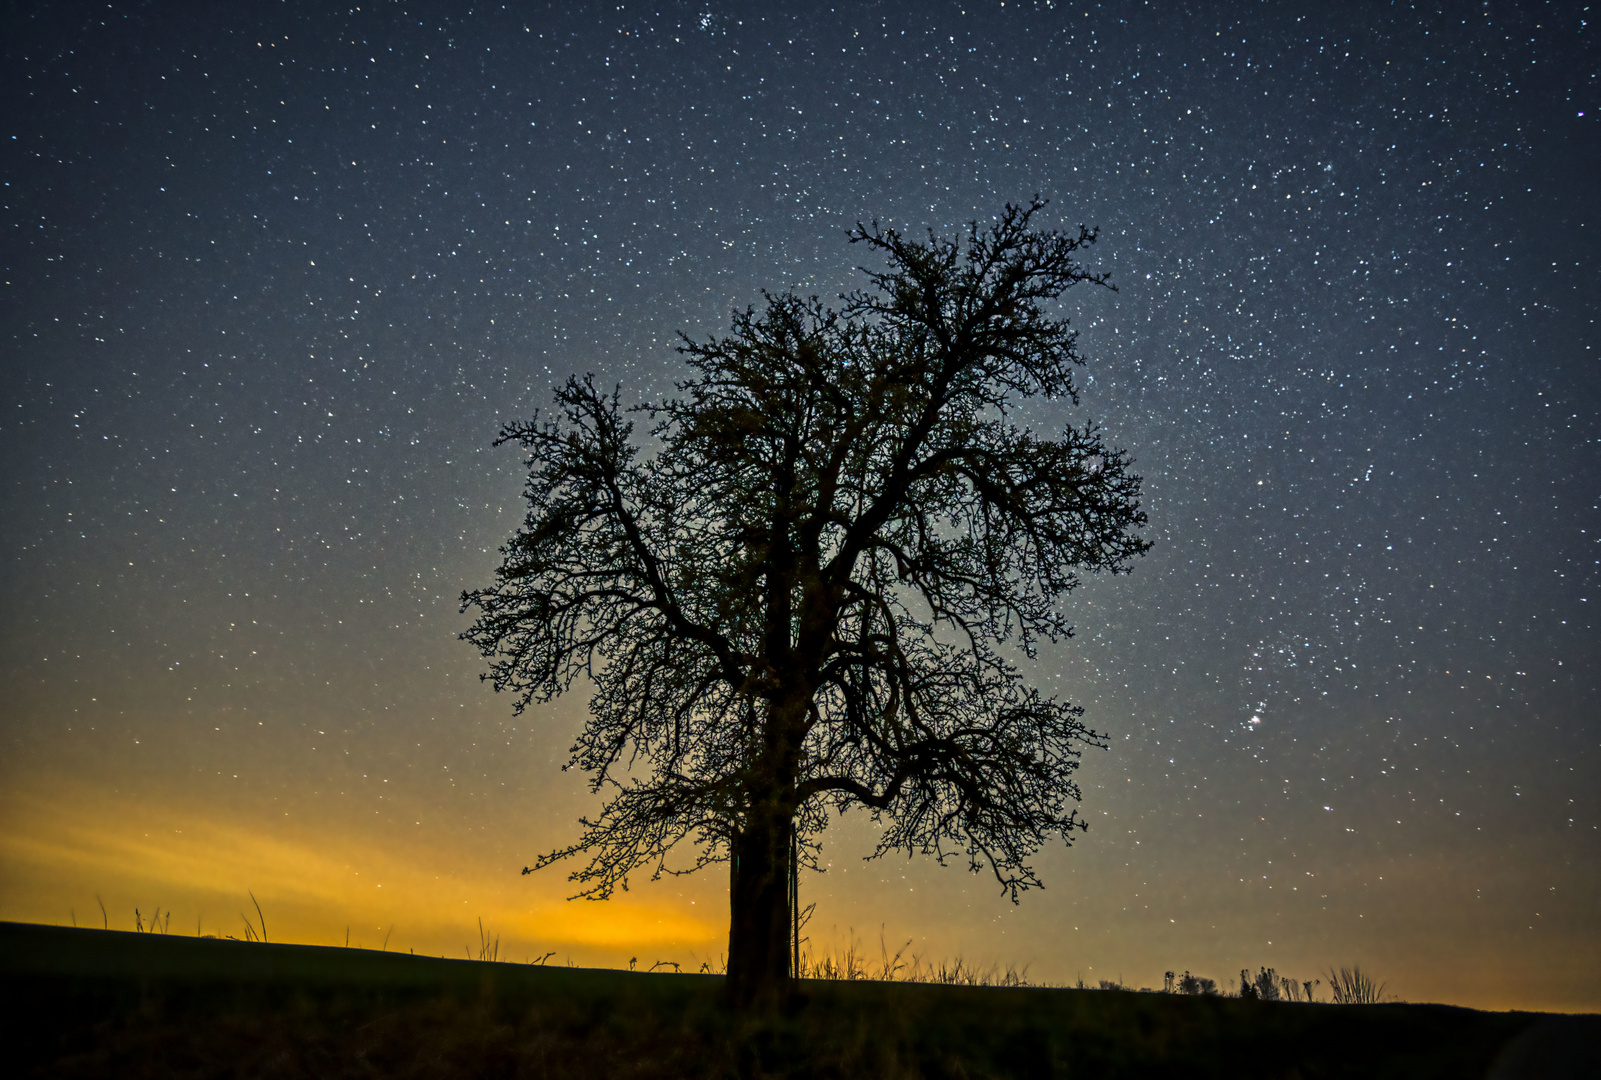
(274,275)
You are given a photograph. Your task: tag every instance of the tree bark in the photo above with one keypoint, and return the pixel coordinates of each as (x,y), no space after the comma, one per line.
(759,914)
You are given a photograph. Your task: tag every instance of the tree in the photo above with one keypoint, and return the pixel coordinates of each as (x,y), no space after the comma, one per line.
(794,600)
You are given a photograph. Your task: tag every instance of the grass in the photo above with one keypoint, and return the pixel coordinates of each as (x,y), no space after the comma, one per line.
(97,1003)
(488,948)
(1350,987)
(852,964)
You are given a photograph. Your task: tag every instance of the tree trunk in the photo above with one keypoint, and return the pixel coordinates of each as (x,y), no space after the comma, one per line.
(759,913)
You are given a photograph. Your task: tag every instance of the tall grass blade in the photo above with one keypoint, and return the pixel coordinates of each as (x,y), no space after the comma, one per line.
(259,915)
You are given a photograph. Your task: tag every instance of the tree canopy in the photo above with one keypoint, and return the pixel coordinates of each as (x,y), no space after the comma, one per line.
(803,587)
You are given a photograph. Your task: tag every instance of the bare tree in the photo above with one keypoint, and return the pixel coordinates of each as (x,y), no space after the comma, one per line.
(795,600)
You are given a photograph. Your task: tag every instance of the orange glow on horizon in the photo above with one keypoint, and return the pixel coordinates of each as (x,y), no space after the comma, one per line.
(323,870)
(67,844)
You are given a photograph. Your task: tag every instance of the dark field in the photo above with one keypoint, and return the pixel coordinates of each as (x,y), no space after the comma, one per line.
(98,1003)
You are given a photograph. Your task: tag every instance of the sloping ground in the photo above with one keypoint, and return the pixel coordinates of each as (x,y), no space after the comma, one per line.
(96,1003)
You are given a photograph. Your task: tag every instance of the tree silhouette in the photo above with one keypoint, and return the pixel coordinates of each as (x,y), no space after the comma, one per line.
(794,598)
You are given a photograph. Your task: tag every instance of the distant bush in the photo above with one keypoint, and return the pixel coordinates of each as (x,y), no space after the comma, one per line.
(1290,990)
(1264,987)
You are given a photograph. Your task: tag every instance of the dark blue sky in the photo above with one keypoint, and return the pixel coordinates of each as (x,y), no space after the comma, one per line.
(275,274)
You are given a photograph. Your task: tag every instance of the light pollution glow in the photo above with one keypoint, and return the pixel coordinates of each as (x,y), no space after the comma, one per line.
(67,842)
(200,864)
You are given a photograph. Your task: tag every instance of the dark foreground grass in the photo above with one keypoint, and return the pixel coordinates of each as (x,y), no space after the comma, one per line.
(104,1003)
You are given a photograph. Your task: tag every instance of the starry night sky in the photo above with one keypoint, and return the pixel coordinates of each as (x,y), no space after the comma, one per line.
(275,274)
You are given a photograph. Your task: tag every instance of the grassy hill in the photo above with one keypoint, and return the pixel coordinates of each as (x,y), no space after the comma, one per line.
(106,1003)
